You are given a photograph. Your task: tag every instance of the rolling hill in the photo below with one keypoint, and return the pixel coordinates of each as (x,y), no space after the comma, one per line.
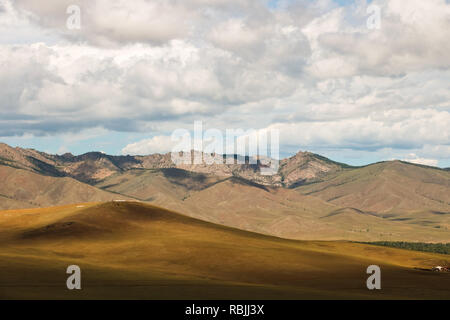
(288,214)
(150,184)
(282,212)
(396,191)
(24,189)
(132,250)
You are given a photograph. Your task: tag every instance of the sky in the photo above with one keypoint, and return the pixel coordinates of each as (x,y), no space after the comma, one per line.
(356,81)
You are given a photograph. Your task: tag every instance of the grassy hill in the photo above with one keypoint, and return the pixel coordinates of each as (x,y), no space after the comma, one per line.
(133,250)
(23,189)
(396,190)
(287,213)
(148,184)
(282,212)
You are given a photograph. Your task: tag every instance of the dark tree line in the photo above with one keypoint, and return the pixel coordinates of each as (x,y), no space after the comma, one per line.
(443,248)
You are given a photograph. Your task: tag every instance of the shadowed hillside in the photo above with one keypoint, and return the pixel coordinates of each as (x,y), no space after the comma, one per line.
(132,250)
(148,185)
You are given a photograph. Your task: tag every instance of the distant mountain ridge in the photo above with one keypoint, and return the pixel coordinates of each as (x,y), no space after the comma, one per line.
(93,167)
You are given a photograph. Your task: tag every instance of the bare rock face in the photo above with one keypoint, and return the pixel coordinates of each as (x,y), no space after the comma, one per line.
(306,167)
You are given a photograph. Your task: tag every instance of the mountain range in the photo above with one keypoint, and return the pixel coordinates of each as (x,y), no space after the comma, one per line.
(94,167)
(310,197)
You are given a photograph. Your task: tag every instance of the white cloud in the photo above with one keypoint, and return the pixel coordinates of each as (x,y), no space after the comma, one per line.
(413,37)
(312,70)
(107,23)
(417,160)
(410,129)
(157,144)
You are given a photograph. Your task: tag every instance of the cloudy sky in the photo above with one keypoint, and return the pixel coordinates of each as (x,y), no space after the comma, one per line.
(321,72)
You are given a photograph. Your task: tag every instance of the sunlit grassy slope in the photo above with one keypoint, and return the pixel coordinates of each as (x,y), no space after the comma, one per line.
(133,250)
